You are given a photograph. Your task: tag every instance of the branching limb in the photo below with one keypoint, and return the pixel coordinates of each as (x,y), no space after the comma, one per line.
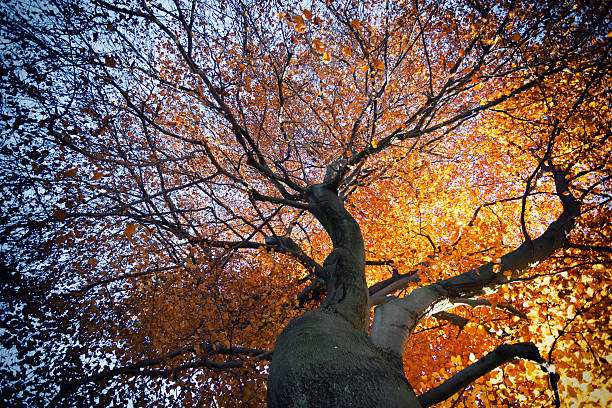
(452,318)
(379,292)
(146,367)
(485,302)
(394,320)
(501,355)
(288,246)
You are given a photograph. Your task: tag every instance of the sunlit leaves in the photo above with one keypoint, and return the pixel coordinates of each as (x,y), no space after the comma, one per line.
(326,57)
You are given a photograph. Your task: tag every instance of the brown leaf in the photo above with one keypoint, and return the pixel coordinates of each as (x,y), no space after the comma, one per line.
(60,214)
(110,62)
(130,229)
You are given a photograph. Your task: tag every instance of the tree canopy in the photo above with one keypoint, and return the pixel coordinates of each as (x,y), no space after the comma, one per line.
(165,169)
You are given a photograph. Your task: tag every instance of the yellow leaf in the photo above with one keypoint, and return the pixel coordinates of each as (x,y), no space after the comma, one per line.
(300,29)
(60,240)
(327,57)
(109,62)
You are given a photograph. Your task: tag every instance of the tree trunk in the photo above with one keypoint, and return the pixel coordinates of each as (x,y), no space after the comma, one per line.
(325,358)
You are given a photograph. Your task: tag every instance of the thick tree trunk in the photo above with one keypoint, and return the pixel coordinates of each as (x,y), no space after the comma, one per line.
(324,358)
(321,360)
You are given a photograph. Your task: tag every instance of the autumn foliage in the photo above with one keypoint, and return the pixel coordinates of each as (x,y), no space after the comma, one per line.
(155,162)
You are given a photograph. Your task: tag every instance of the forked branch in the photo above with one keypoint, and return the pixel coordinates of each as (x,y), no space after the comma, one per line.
(395,319)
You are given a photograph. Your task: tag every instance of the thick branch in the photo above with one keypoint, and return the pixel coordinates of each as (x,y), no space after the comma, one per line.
(288,246)
(347,290)
(395,282)
(379,292)
(501,355)
(395,319)
(284,245)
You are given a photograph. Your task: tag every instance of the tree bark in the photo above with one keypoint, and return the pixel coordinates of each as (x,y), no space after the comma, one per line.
(325,358)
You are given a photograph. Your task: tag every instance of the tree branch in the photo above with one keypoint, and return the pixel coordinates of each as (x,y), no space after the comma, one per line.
(143,368)
(395,319)
(501,355)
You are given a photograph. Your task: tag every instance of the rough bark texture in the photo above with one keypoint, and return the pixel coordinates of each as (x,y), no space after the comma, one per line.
(324,358)
(321,360)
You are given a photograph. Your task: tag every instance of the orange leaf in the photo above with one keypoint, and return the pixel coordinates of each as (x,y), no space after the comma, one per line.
(298,20)
(70,173)
(130,229)
(307,14)
(318,45)
(60,240)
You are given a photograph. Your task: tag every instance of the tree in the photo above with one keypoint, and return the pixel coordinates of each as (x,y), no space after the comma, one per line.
(331,203)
